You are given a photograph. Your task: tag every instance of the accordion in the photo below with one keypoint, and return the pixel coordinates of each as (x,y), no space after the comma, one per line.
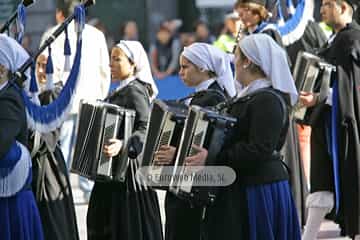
(164,128)
(309,72)
(207,129)
(97,123)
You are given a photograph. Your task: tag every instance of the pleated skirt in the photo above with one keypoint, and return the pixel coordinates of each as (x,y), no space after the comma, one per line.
(19,217)
(271,212)
(258,212)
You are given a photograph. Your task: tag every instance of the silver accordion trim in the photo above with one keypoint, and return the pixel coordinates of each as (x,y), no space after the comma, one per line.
(166,118)
(207,129)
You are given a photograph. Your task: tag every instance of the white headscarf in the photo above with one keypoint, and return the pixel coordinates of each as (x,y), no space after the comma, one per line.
(12,54)
(262,50)
(136,53)
(209,58)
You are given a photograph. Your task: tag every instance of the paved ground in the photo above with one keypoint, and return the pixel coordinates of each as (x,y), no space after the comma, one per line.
(329,230)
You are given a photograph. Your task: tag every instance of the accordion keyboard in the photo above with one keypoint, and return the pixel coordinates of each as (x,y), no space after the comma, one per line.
(165,139)
(110,131)
(199,136)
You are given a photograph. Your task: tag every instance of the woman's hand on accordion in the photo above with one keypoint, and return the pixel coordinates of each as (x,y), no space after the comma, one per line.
(165,155)
(198,159)
(113,148)
(308,99)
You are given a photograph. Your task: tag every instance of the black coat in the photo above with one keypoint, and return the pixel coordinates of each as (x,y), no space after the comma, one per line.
(13,125)
(260,131)
(344,53)
(126,211)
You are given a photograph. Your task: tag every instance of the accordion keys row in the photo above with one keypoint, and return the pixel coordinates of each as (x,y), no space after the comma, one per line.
(164,128)
(99,122)
(207,129)
(182,126)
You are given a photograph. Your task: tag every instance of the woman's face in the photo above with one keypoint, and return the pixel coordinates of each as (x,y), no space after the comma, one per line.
(3,74)
(240,67)
(41,69)
(249,17)
(189,73)
(120,65)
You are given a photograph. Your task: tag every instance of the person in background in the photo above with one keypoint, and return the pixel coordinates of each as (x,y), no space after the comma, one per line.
(130,31)
(226,41)
(202,33)
(41,72)
(186,39)
(164,53)
(335,153)
(254,16)
(51,183)
(93,83)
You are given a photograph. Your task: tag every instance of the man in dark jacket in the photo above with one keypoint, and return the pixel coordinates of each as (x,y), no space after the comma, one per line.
(335,153)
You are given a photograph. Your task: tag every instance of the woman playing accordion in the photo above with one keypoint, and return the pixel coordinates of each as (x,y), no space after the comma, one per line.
(127,210)
(203,67)
(259,204)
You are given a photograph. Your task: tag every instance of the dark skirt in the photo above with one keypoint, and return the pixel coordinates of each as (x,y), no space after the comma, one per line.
(253,213)
(183,220)
(51,186)
(126,211)
(19,217)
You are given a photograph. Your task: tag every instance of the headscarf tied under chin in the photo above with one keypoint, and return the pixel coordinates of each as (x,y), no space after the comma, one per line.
(263,51)
(209,58)
(12,54)
(136,53)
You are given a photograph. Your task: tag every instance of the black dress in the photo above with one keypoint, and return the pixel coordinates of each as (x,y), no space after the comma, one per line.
(51,185)
(129,210)
(183,219)
(343,52)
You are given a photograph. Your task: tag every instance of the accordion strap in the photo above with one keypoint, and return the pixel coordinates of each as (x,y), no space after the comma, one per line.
(202,93)
(132,84)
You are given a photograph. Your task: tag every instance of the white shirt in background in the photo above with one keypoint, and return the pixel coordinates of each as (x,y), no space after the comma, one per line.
(94,79)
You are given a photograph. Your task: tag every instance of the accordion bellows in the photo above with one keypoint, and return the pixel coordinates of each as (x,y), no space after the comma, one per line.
(98,122)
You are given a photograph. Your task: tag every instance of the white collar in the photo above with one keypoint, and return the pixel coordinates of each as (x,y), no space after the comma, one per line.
(253,86)
(3,85)
(204,85)
(125,82)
